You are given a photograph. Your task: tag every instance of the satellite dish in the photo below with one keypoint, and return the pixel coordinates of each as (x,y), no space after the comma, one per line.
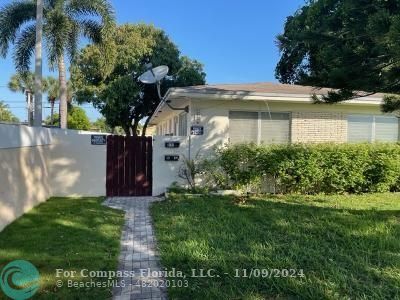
(154,75)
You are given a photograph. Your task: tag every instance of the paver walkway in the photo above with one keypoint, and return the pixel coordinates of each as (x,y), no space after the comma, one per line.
(138,251)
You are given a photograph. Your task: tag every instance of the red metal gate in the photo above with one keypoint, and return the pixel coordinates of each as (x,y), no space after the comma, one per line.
(129,166)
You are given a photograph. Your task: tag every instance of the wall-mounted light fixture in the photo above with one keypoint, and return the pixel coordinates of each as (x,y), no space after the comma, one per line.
(186,108)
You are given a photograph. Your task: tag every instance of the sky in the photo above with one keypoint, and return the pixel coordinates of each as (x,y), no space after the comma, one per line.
(235,40)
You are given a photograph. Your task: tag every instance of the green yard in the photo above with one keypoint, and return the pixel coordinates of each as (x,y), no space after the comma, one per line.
(347,246)
(65,233)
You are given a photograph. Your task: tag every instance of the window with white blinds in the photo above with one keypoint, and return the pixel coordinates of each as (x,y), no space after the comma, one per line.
(182,128)
(275,128)
(386,129)
(243,127)
(360,128)
(367,128)
(259,127)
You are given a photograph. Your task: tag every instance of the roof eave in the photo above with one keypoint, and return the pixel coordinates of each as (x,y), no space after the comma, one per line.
(181,92)
(253,96)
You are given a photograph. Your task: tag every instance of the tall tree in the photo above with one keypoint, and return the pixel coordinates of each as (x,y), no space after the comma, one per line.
(24,83)
(6,115)
(101,125)
(112,86)
(347,45)
(38,63)
(64,21)
(52,87)
(77,119)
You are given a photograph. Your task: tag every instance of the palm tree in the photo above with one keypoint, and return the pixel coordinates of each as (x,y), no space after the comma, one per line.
(63,23)
(52,86)
(24,83)
(38,63)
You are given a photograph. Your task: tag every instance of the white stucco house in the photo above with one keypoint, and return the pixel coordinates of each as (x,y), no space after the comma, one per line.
(271,113)
(263,113)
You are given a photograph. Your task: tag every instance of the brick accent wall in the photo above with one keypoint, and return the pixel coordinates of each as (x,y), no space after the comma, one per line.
(319,127)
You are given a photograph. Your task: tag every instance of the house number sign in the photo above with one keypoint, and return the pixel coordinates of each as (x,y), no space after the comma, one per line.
(196,130)
(172,144)
(97,139)
(171,157)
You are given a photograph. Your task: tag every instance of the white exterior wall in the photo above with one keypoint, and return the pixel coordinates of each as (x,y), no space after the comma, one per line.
(214,116)
(37,163)
(166,172)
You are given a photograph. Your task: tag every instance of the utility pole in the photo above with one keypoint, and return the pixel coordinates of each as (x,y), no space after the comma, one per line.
(29,105)
(38,64)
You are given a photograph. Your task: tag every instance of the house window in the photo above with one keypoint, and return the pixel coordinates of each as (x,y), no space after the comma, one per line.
(386,129)
(367,128)
(259,127)
(275,128)
(182,128)
(243,127)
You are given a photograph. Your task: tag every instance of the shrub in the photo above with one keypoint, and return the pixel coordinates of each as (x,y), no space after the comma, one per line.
(238,161)
(213,175)
(311,169)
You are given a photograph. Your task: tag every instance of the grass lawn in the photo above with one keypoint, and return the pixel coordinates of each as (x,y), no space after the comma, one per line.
(347,246)
(65,233)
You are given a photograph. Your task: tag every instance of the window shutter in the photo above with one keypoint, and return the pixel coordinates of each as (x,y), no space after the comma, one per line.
(386,129)
(275,128)
(243,126)
(360,128)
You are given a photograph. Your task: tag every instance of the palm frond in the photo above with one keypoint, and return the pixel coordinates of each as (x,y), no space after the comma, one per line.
(12,17)
(73,39)
(21,82)
(102,8)
(24,48)
(52,87)
(53,4)
(92,30)
(56,31)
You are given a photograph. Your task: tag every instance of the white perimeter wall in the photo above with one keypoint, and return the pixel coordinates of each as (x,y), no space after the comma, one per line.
(77,168)
(37,163)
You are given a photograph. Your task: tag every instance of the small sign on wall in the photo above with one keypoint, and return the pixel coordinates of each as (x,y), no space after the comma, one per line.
(172,144)
(171,157)
(98,139)
(196,130)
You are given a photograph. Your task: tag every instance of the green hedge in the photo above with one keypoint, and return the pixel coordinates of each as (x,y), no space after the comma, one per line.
(311,169)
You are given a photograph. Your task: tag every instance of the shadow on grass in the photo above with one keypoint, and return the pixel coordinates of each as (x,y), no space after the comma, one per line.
(69,234)
(345,253)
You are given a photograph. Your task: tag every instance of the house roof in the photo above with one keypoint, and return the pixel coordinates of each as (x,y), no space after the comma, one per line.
(260,88)
(263,91)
